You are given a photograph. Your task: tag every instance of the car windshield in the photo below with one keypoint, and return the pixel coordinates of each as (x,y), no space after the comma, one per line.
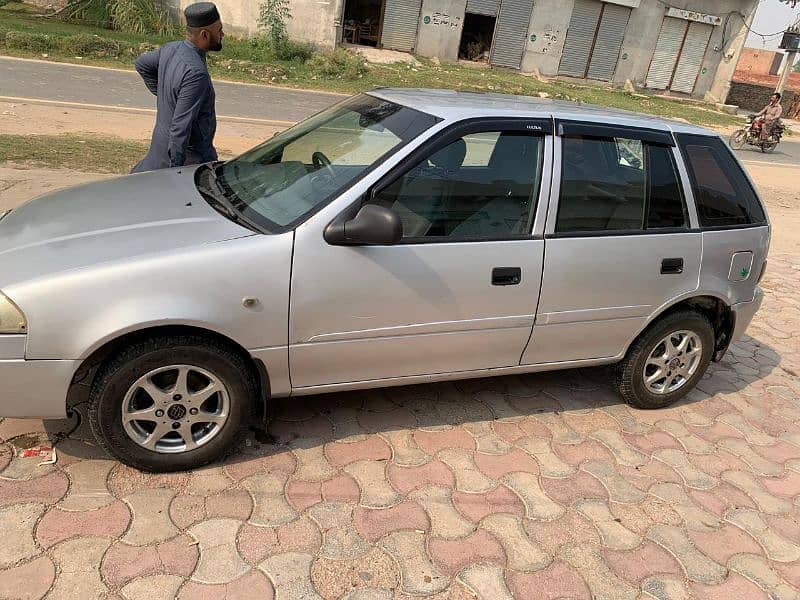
(280,182)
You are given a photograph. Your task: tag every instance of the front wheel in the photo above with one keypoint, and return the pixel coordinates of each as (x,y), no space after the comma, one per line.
(169,404)
(768,147)
(738,139)
(667,360)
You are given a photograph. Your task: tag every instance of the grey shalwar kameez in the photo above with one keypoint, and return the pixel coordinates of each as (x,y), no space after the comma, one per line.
(186,120)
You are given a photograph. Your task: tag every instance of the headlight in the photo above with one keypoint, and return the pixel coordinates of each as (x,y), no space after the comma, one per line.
(11,318)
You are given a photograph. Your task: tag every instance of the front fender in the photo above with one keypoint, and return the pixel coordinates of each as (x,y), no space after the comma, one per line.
(72,314)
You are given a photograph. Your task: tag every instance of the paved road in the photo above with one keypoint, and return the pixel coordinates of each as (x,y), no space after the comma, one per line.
(86,85)
(42,80)
(787,153)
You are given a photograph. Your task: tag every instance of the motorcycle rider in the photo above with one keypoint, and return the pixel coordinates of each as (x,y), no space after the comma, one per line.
(769,115)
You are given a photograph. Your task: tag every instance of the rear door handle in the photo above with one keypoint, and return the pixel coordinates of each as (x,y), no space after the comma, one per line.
(672,266)
(506,276)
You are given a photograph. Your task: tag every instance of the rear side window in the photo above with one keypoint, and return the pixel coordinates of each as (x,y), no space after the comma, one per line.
(723,195)
(618,184)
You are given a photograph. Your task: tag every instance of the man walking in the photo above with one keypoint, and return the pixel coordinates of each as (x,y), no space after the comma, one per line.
(770,113)
(177,75)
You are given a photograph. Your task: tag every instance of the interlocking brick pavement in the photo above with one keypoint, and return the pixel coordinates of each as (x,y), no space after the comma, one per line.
(541,486)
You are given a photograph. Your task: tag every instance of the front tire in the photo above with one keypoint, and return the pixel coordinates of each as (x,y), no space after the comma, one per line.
(738,139)
(171,403)
(666,361)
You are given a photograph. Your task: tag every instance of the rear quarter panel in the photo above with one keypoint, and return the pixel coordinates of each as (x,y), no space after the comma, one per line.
(718,249)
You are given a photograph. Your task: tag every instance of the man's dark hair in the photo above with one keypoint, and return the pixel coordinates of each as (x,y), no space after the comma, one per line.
(777,94)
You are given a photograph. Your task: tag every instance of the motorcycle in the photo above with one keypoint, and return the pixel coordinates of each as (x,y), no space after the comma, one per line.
(751,135)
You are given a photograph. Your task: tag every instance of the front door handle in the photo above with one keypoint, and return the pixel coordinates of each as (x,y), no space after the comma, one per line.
(672,266)
(506,276)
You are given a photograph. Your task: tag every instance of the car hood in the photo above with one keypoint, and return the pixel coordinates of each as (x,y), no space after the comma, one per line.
(108,221)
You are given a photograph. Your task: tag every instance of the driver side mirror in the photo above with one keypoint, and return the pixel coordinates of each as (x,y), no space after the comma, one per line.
(373,225)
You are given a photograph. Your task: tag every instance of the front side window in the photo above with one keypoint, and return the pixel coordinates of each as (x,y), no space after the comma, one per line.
(617,184)
(723,195)
(283,180)
(479,186)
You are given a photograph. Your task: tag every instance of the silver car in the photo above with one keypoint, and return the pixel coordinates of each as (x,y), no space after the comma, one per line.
(399,237)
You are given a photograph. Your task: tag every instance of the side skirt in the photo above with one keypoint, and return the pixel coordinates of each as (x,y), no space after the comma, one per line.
(418,379)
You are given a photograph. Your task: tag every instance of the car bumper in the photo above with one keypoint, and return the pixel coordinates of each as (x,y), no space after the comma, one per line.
(35,388)
(743,313)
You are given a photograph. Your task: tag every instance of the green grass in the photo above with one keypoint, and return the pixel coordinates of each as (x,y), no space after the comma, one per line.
(25,34)
(87,153)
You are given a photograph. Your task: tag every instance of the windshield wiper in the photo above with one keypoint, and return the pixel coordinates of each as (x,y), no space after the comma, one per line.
(217,197)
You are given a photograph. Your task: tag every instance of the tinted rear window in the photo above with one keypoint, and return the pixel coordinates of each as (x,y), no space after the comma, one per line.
(722,193)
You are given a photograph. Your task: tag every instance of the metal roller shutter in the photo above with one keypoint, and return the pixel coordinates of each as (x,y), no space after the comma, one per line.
(483,7)
(580,36)
(400,20)
(608,42)
(692,54)
(666,53)
(511,33)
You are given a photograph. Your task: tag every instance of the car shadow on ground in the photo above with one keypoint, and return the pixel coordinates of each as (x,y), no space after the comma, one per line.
(309,422)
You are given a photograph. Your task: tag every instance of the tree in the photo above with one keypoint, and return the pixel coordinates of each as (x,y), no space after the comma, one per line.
(272,18)
(135,16)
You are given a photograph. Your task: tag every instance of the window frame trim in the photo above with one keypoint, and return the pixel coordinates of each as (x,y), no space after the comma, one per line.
(569,127)
(543,127)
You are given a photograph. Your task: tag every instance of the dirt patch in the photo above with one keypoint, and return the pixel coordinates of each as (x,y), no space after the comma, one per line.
(17,118)
(777,185)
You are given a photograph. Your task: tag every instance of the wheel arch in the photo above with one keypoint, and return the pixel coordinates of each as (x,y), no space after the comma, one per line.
(715,308)
(87,372)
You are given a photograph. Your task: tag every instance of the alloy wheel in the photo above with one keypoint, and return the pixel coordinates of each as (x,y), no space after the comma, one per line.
(175,409)
(672,362)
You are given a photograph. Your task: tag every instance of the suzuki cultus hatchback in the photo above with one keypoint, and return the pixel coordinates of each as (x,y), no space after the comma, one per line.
(401,236)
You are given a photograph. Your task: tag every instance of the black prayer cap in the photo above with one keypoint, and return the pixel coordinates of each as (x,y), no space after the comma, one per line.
(201,14)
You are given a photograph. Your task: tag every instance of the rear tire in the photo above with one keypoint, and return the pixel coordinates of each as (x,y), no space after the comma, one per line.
(171,403)
(638,378)
(738,139)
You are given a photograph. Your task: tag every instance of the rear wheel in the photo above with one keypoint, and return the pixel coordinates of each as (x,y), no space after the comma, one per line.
(738,139)
(769,146)
(168,404)
(667,360)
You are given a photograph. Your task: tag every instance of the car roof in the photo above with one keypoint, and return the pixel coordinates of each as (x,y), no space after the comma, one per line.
(452,105)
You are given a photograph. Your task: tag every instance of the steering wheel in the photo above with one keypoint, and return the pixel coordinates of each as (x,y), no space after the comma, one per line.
(319,160)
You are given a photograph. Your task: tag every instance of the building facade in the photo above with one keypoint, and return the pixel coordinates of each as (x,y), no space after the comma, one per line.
(691,47)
